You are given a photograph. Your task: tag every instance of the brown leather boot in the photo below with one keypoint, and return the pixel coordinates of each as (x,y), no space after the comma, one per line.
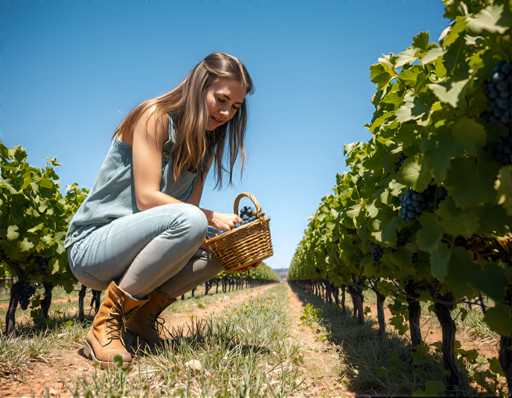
(105,339)
(145,323)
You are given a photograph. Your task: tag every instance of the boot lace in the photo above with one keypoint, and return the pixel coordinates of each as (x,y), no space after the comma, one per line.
(158,325)
(115,322)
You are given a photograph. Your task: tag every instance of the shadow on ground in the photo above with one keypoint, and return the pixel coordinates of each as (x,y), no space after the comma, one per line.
(375,365)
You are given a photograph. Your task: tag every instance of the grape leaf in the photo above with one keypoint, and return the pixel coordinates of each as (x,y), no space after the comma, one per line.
(456,221)
(439,260)
(470,183)
(491,19)
(25,245)
(416,173)
(499,319)
(452,33)
(448,94)
(38,227)
(469,134)
(431,55)
(491,280)
(430,234)
(12,232)
(420,41)
(406,57)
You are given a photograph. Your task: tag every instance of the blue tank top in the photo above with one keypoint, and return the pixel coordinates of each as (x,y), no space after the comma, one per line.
(113,194)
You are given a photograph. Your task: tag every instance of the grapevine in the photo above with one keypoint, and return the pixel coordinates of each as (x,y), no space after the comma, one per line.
(424,226)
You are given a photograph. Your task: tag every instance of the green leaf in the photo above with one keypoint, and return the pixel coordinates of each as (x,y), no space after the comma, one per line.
(395,188)
(25,245)
(452,33)
(491,280)
(439,152)
(372,210)
(46,183)
(407,56)
(461,263)
(409,75)
(12,232)
(416,173)
(27,179)
(354,211)
(499,319)
(470,182)
(55,267)
(439,260)
(493,220)
(456,221)
(410,170)
(448,94)
(38,227)
(389,229)
(381,119)
(413,108)
(421,40)
(431,55)
(60,248)
(491,19)
(379,75)
(430,234)
(384,196)
(6,185)
(469,134)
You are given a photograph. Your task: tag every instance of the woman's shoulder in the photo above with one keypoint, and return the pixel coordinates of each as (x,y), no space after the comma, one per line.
(151,127)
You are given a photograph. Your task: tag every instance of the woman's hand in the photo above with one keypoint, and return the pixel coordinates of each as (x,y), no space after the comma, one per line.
(224,221)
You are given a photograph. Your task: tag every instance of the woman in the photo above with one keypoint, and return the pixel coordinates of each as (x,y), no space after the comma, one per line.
(139,232)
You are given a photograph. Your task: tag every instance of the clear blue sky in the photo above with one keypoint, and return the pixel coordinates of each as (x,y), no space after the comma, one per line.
(71,70)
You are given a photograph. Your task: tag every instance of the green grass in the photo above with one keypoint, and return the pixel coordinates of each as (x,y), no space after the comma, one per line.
(244,353)
(37,343)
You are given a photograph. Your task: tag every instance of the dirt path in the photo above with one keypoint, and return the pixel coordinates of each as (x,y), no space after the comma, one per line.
(65,365)
(321,363)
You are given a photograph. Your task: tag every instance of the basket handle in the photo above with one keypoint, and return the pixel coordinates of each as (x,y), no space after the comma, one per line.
(251,197)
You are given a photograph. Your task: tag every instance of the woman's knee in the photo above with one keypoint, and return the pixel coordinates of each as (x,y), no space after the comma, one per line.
(88,280)
(193,219)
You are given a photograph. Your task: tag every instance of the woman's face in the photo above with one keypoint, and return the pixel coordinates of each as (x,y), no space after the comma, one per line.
(223,99)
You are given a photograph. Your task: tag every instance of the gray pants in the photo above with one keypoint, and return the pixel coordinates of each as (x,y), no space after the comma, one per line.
(158,248)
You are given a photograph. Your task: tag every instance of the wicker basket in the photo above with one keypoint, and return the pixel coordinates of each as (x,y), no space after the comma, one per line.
(244,247)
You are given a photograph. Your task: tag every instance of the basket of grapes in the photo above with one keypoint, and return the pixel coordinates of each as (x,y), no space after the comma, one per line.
(246,245)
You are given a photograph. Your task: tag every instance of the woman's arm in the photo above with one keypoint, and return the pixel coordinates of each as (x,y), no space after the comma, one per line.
(149,136)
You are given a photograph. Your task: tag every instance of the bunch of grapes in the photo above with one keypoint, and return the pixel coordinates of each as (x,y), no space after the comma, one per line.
(413,203)
(499,92)
(25,291)
(377,253)
(247,214)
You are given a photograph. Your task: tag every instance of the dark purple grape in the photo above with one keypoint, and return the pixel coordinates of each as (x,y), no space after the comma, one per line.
(413,203)
(499,93)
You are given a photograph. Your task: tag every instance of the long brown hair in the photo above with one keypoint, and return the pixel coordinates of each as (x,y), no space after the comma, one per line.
(186,103)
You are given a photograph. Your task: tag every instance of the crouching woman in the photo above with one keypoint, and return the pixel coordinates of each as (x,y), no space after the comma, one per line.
(139,232)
